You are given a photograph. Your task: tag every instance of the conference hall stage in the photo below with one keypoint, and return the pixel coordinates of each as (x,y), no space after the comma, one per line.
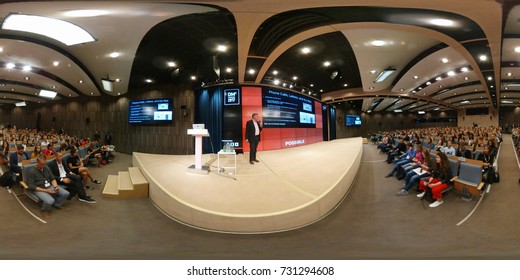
(287,189)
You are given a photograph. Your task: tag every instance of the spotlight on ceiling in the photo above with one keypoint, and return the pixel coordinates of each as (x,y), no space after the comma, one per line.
(384,74)
(20,104)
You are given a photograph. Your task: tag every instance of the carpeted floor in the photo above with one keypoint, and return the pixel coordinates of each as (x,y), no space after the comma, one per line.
(371,223)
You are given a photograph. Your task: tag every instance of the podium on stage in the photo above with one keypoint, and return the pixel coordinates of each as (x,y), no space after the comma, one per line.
(198,133)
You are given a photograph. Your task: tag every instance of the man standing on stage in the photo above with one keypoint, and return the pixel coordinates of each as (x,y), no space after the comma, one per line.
(253,128)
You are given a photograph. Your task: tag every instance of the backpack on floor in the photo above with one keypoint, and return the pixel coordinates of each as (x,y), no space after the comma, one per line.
(8,179)
(400,174)
(428,196)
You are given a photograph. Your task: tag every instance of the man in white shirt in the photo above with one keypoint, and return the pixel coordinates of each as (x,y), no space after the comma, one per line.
(73,183)
(449,150)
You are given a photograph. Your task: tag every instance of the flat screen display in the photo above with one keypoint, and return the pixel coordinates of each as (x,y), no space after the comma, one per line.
(151,111)
(352,120)
(285,109)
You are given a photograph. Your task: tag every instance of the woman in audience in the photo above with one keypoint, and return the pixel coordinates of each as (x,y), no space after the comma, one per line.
(5,148)
(50,150)
(412,177)
(492,147)
(488,173)
(76,165)
(438,181)
(37,151)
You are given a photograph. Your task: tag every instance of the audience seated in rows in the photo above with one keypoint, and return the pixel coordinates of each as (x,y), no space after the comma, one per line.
(75,164)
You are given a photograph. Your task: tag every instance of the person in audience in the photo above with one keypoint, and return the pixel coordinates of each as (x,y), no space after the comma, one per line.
(463,151)
(488,172)
(417,160)
(75,164)
(40,180)
(72,182)
(50,150)
(15,159)
(413,177)
(94,154)
(63,147)
(400,149)
(493,150)
(402,160)
(449,149)
(44,141)
(37,151)
(438,181)
(5,151)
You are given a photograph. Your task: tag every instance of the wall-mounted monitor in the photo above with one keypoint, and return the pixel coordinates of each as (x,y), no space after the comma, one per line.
(150,111)
(352,120)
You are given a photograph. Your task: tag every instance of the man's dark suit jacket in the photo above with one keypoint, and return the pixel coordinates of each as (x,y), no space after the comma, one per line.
(13,161)
(250,130)
(53,166)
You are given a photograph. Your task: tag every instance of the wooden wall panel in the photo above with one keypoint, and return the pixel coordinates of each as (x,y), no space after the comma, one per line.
(107,113)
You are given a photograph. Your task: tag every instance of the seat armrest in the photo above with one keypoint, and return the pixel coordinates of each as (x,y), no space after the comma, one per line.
(454,178)
(480,186)
(24,185)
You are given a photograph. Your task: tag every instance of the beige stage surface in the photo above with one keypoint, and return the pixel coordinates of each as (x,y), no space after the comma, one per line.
(287,189)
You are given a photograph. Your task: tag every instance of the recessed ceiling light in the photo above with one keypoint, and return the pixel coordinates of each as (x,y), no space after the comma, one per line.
(54,87)
(86,13)
(275,72)
(442,22)
(276,82)
(306,50)
(490,78)
(10,65)
(117,80)
(295,78)
(451,73)
(438,78)
(1,49)
(228,69)
(251,71)
(370,87)
(221,48)
(311,85)
(171,64)
(378,43)
(80,81)
(509,74)
(150,80)
(193,78)
(56,63)
(428,83)
(373,71)
(27,78)
(91,93)
(415,77)
(326,63)
(345,85)
(114,54)
(27,68)
(517,49)
(466,78)
(444,60)
(483,58)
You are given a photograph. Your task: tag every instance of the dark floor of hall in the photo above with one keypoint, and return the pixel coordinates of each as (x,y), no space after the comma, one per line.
(370,223)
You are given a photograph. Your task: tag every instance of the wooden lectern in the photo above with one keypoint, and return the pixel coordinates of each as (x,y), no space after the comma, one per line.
(197,167)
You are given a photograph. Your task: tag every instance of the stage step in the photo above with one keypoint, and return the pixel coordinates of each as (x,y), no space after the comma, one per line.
(110,189)
(127,184)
